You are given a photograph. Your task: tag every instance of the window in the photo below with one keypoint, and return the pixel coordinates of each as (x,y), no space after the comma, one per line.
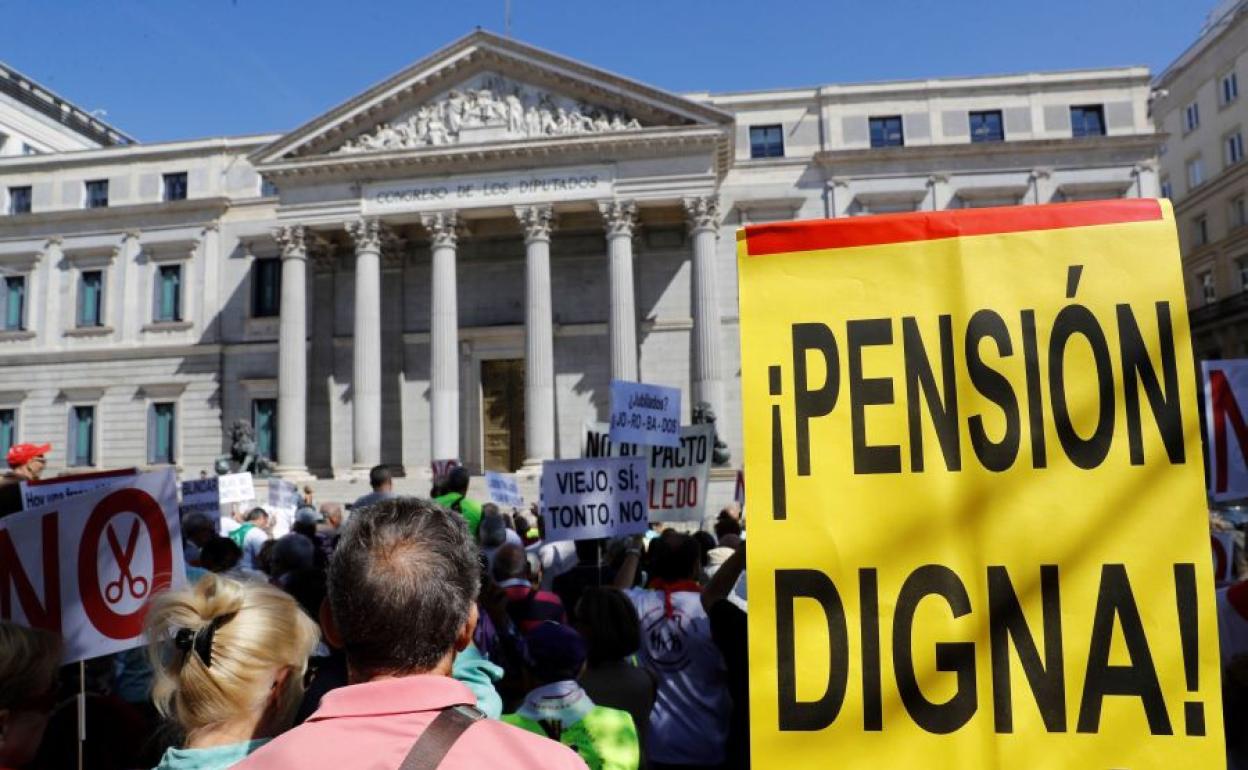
(1195,173)
(169,293)
(13,303)
(1230,88)
(1087,120)
(1200,230)
(1234,145)
(266,287)
(267,189)
(1239,212)
(1191,117)
(19,200)
(82,435)
(887,132)
(766,142)
(1167,191)
(8,429)
(160,435)
(987,126)
(28,150)
(97,194)
(91,298)
(1206,288)
(175,186)
(264,419)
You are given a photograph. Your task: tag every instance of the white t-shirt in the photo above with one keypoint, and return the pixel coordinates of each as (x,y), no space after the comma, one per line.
(228,525)
(557,558)
(689,723)
(253,541)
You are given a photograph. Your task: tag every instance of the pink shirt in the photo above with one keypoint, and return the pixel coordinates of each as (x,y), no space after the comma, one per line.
(372,726)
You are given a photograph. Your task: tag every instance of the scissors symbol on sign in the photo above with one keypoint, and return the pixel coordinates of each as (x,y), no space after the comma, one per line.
(136,584)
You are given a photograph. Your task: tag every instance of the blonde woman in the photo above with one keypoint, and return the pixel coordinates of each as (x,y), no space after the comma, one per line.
(229,658)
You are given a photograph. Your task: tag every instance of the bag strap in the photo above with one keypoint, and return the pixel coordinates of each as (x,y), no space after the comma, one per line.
(436,741)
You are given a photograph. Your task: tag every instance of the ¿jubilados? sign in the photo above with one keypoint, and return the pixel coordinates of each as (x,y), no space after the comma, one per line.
(978,530)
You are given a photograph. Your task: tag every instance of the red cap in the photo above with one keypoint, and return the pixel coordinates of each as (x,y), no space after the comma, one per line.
(20,454)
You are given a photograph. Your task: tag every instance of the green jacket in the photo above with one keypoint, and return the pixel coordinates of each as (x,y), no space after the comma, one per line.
(469,509)
(605,738)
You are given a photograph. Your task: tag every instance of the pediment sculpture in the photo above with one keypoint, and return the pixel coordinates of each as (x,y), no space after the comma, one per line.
(505,109)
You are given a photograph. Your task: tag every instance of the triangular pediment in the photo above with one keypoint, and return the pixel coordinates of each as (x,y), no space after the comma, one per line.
(485,89)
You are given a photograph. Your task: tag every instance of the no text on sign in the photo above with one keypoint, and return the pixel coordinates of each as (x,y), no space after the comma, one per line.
(592,498)
(644,414)
(939,563)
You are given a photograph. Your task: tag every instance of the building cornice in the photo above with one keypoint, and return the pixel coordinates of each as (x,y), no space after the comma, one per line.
(113,218)
(1214,187)
(1148,143)
(59,161)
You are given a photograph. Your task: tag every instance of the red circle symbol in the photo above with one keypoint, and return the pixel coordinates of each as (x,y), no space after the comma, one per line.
(130,500)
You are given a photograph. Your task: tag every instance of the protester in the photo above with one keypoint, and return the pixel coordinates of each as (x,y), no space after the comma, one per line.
(557,707)
(332,517)
(689,723)
(231,521)
(308,499)
(455,496)
(292,553)
(608,621)
(382,482)
(197,530)
(306,521)
(29,661)
(402,587)
(591,569)
(494,533)
(527,606)
(252,535)
(26,463)
(229,658)
(729,630)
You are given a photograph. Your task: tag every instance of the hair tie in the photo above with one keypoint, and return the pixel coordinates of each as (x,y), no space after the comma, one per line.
(201,640)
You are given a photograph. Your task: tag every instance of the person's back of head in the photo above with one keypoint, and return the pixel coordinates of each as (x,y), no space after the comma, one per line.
(333,515)
(608,621)
(198,528)
(727,526)
(220,554)
(510,563)
(292,552)
(29,662)
(706,543)
(457,480)
(228,653)
(674,556)
(554,653)
(380,478)
(493,530)
(257,516)
(403,584)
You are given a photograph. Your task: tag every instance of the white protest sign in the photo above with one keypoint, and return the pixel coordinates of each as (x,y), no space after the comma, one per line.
(236,488)
(677,477)
(504,489)
(592,498)
(283,500)
(36,494)
(644,414)
(85,567)
(1226,397)
(200,496)
(1223,543)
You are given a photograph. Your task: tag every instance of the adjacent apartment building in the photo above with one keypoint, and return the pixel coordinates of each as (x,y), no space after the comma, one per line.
(456,262)
(1198,105)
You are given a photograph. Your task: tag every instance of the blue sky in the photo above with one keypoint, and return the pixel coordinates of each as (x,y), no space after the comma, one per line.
(176,69)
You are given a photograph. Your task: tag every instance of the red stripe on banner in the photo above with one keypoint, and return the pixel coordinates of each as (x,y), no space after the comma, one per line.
(785,237)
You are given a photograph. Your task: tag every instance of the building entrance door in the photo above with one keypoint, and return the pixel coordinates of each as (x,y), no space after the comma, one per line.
(502,413)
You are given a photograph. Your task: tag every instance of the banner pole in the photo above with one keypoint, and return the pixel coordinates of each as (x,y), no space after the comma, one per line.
(82,711)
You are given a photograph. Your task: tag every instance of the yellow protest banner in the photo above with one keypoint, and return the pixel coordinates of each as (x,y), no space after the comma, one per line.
(978,533)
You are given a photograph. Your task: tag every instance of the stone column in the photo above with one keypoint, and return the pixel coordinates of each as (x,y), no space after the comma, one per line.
(621,217)
(292,354)
(539,341)
(708,382)
(366,345)
(443,337)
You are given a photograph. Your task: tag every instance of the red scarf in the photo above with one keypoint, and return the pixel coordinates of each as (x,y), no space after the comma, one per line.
(669,587)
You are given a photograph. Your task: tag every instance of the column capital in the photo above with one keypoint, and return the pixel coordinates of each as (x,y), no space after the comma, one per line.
(620,217)
(291,239)
(132,235)
(702,213)
(367,233)
(443,227)
(537,221)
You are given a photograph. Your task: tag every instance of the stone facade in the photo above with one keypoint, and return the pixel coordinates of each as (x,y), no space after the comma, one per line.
(1198,106)
(492,203)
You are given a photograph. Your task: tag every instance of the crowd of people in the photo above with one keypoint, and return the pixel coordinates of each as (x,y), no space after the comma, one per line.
(440,632)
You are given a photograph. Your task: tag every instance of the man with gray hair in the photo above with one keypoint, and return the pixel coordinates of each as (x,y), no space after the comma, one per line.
(403,586)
